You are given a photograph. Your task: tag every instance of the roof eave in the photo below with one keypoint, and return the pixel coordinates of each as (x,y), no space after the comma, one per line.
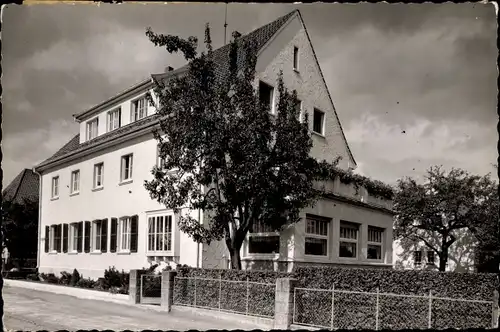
(79,116)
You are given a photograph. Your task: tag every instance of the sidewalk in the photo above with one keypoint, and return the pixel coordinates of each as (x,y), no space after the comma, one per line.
(28,309)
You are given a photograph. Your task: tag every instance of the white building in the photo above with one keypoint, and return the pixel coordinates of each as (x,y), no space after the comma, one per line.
(96,213)
(420,256)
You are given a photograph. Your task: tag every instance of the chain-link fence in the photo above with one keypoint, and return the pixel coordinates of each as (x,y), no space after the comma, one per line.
(339,309)
(243,297)
(151,289)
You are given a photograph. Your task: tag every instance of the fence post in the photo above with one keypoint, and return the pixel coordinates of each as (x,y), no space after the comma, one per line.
(430,310)
(195,291)
(248,295)
(220,289)
(283,307)
(494,318)
(377,309)
(333,306)
(167,289)
(134,288)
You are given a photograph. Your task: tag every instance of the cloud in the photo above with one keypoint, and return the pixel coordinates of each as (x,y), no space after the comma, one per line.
(388,153)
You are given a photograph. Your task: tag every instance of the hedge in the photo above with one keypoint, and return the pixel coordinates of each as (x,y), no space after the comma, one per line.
(358,310)
(233,295)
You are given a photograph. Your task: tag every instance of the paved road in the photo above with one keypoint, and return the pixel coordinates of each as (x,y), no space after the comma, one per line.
(27,309)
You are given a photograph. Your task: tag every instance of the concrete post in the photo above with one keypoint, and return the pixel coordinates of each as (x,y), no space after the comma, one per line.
(134,289)
(283,308)
(167,289)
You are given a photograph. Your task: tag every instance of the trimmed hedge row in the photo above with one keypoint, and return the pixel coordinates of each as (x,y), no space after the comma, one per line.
(231,296)
(472,286)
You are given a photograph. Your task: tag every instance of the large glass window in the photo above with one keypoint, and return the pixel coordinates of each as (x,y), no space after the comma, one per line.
(348,246)
(160,233)
(316,240)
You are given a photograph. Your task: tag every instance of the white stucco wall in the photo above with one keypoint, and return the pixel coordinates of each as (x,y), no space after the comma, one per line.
(310,87)
(114,200)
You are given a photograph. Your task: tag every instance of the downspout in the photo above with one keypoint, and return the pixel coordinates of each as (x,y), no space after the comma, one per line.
(39,217)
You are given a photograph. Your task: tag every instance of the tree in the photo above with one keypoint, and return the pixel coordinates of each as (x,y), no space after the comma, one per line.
(433,213)
(20,229)
(222,150)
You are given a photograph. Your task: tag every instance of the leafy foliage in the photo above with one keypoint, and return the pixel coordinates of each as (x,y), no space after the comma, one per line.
(75,277)
(223,151)
(20,228)
(433,212)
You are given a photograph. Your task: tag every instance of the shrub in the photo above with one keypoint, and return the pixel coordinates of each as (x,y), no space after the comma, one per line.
(65,278)
(85,283)
(75,277)
(115,278)
(33,277)
(49,278)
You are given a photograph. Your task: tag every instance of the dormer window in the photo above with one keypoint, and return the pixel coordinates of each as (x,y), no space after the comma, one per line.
(92,127)
(139,109)
(114,119)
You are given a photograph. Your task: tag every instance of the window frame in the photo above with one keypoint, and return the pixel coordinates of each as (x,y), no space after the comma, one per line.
(323,116)
(111,120)
(167,233)
(349,225)
(123,168)
(52,239)
(55,187)
(327,224)
(135,111)
(94,242)
(72,189)
(89,132)
(73,238)
(272,100)
(417,262)
(296,61)
(375,243)
(94,180)
(429,262)
(262,233)
(122,222)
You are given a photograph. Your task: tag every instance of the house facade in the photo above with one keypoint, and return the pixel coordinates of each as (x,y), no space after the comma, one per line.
(96,213)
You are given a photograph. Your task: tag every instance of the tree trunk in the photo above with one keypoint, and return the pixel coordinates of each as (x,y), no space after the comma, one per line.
(235,258)
(443,258)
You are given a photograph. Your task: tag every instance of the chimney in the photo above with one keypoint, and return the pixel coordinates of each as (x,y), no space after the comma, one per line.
(168,68)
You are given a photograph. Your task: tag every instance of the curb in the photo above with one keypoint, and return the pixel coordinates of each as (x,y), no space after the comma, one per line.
(81,293)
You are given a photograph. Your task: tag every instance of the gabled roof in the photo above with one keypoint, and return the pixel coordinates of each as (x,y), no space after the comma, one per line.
(259,37)
(24,186)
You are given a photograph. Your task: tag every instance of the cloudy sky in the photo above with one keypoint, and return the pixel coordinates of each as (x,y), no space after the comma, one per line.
(413,85)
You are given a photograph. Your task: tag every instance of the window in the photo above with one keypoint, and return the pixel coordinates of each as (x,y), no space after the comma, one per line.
(55,187)
(75,181)
(92,127)
(296,58)
(375,238)
(52,238)
(139,109)
(316,241)
(263,239)
(124,231)
(98,175)
(266,95)
(73,237)
(348,246)
(417,257)
(298,107)
(126,168)
(97,235)
(318,121)
(430,257)
(160,233)
(114,119)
